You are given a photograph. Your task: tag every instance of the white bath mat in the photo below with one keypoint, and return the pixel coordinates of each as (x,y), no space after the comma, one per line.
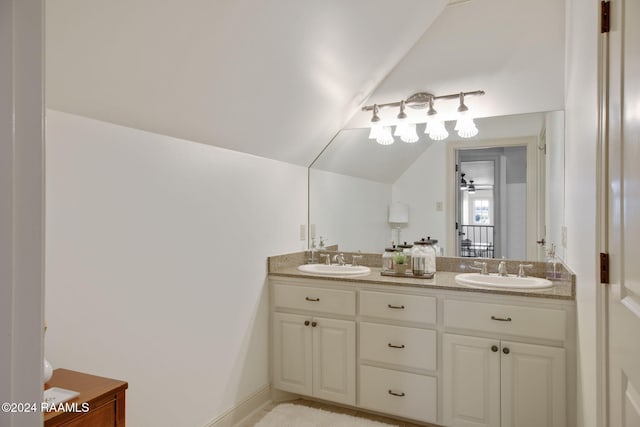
(290,415)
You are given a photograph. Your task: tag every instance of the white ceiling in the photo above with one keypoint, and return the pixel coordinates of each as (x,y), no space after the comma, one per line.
(274,78)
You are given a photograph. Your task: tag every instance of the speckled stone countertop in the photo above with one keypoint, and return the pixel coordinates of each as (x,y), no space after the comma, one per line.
(286,266)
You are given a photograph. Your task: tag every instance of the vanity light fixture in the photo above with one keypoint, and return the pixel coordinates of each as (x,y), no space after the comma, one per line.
(435,128)
(375,123)
(465,125)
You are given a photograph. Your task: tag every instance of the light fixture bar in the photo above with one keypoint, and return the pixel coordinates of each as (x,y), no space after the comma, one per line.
(420,100)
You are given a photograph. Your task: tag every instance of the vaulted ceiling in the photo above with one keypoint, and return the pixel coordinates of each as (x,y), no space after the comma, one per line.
(274,78)
(279,78)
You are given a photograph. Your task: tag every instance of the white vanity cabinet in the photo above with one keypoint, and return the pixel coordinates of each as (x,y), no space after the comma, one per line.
(445,357)
(314,354)
(494,382)
(398,354)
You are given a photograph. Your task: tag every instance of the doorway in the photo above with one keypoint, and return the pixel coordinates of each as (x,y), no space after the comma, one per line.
(491,202)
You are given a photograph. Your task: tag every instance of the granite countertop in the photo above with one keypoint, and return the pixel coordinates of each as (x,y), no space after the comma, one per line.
(442,280)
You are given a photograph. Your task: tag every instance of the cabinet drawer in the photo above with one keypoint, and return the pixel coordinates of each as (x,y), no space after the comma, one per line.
(400,393)
(331,301)
(506,319)
(407,347)
(408,308)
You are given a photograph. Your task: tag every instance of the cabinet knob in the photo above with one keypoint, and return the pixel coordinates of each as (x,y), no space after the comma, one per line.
(506,350)
(494,348)
(306,323)
(314,324)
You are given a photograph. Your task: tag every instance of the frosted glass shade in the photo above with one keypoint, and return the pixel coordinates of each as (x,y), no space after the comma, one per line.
(398,213)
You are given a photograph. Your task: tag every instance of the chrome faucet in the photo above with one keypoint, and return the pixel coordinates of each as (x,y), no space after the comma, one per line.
(327,258)
(339,258)
(355,259)
(482,268)
(502,269)
(521,268)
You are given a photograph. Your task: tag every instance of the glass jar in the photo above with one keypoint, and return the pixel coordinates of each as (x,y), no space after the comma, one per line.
(387,258)
(406,249)
(423,258)
(436,246)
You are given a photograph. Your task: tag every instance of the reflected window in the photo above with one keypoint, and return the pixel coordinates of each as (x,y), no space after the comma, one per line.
(481,209)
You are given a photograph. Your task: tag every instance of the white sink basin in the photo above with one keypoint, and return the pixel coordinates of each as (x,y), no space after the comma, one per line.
(334,270)
(493,281)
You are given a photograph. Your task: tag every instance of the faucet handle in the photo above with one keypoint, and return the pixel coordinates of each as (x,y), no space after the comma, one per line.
(521,268)
(327,258)
(355,259)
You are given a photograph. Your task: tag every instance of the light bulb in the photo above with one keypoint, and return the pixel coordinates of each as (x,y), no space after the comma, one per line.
(401,128)
(436,130)
(384,136)
(375,130)
(410,135)
(465,126)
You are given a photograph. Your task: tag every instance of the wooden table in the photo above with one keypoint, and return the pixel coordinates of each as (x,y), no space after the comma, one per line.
(105,398)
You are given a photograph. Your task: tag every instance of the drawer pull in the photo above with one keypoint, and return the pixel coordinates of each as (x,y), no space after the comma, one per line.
(395,346)
(393,393)
(506,350)
(501,319)
(314,324)
(312,299)
(397,307)
(494,348)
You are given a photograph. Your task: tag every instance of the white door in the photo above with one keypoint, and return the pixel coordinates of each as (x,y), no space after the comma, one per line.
(624,215)
(532,385)
(471,381)
(334,360)
(292,355)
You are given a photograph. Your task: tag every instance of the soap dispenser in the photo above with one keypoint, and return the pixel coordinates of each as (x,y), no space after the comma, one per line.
(550,261)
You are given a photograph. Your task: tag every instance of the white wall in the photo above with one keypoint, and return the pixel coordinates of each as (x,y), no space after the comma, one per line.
(422,185)
(580,210)
(353,226)
(555,170)
(156,264)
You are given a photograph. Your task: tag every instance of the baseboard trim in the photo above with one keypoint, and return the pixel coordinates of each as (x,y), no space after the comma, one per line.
(243,410)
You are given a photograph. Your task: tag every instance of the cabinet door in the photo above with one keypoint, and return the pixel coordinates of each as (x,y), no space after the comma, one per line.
(471,381)
(533,385)
(334,360)
(292,355)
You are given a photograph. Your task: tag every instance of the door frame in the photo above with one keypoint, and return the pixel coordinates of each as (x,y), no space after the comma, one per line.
(22,207)
(532,171)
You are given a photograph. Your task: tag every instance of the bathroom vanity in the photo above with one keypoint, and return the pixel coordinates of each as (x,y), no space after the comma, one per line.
(426,350)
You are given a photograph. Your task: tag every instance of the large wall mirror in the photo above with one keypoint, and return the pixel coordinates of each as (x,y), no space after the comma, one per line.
(498,194)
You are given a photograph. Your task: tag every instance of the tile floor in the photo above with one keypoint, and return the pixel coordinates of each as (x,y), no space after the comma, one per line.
(250,422)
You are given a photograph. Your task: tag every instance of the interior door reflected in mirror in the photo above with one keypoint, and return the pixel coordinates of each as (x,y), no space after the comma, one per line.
(354,181)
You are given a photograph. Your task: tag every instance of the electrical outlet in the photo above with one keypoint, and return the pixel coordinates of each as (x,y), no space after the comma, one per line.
(439,206)
(564,236)
(303,232)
